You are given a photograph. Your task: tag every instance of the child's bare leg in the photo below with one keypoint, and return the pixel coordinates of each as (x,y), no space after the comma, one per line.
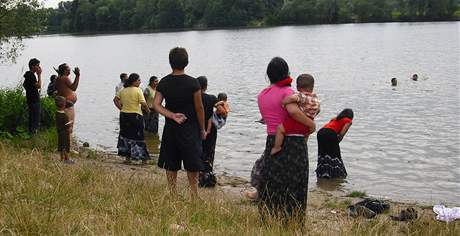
(62,154)
(279,138)
(66,155)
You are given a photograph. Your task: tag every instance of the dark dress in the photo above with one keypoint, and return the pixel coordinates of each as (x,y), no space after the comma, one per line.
(180,142)
(282,180)
(62,128)
(330,164)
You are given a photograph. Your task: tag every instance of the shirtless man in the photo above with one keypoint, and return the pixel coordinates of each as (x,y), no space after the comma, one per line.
(66,88)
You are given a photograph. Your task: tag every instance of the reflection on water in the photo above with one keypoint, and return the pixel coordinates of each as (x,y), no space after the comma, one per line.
(153,143)
(331,184)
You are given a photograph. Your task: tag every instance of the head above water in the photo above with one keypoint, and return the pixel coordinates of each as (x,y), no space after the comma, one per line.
(346,113)
(203,81)
(277,70)
(414,77)
(305,82)
(394,82)
(60,102)
(222,97)
(33,63)
(132,80)
(123,77)
(178,58)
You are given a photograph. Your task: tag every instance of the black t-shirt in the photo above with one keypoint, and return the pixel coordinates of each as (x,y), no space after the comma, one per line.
(30,81)
(208,104)
(178,93)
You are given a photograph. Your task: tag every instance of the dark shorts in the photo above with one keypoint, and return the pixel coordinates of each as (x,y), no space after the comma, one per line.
(181,143)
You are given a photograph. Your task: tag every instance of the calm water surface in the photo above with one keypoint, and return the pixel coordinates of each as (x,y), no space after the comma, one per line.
(404,142)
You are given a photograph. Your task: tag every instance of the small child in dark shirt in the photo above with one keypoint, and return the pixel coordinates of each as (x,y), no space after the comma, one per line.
(63,130)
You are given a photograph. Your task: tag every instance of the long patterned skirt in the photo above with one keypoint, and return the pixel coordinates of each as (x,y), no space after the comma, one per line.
(282,179)
(330,164)
(151,121)
(131,143)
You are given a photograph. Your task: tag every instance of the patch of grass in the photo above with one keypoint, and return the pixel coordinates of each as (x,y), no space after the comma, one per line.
(41,196)
(357,194)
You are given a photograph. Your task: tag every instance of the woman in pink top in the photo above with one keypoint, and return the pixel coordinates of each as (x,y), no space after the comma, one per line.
(281,180)
(330,164)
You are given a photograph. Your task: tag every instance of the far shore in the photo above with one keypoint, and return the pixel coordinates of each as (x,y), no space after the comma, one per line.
(175,30)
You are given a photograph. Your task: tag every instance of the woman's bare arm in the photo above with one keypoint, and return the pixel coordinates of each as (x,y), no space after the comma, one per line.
(344,131)
(295,112)
(116,101)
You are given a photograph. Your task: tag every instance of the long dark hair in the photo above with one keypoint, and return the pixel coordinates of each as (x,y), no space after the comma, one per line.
(131,79)
(277,70)
(346,113)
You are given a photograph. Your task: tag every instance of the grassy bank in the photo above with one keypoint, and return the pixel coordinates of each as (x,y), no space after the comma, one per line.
(39,195)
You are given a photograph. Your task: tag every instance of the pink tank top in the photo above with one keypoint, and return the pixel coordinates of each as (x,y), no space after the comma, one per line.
(270,106)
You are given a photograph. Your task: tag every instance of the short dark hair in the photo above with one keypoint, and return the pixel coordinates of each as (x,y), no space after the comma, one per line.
(123,75)
(133,77)
(203,81)
(152,79)
(346,113)
(53,78)
(305,81)
(33,62)
(61,68)
(222,97)
(178,58)
(277,70)
(60,101)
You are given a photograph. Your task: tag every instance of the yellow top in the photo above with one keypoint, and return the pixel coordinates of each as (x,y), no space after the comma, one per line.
(131,99)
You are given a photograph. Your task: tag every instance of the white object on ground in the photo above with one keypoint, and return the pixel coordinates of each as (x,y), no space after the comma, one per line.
(445,213)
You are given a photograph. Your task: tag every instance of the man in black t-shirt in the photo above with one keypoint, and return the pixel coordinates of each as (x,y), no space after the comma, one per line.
(184,128)
(32,85)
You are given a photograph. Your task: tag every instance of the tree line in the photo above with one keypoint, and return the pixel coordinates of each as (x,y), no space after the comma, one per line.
(115,15)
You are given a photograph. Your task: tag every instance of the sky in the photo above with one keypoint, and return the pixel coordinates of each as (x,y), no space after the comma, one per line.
(51,3)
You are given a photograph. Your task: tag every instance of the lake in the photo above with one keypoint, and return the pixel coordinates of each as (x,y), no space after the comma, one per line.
(404,141)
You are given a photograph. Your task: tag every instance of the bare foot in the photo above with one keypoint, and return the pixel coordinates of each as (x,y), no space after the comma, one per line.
(275,150)
(251,195)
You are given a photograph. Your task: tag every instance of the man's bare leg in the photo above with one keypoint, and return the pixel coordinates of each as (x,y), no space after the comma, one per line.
(172,179)
(193,182)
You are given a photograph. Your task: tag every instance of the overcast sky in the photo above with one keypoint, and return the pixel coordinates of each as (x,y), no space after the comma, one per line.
(51,3)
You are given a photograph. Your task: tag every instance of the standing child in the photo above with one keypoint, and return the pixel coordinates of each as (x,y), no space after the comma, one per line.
(63,130)
(308,102)
(219,118)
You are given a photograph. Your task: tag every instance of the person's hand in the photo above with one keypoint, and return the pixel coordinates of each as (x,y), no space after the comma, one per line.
(39,70)
(179,118)
(203,134)
(76,71)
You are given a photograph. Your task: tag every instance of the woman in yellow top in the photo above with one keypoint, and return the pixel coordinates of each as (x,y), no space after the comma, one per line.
(129,101)
(151,119)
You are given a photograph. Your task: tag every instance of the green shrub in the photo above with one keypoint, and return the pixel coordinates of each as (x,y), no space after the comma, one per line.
(14,114)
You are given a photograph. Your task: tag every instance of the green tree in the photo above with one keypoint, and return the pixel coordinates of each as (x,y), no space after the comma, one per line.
(18,19)
(171,14)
